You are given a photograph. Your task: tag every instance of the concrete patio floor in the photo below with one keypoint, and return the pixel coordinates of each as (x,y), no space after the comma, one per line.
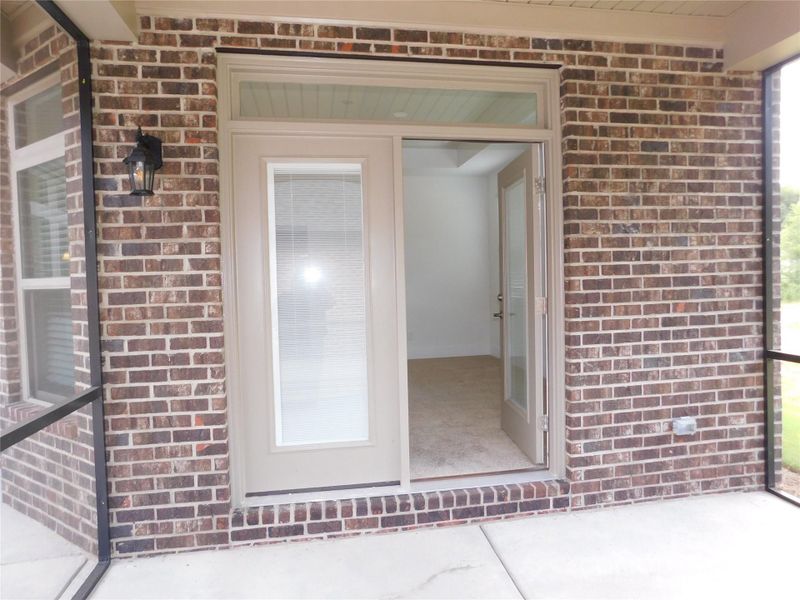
(722,546)
(35,562)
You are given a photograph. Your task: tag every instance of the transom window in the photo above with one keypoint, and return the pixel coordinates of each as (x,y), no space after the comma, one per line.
(324,101)
(362,92)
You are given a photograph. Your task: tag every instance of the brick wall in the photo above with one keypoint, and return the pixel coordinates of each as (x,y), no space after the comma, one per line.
(662,204)
(663,237)
(50,475)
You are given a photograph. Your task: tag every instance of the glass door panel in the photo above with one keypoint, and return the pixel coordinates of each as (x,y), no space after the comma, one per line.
(320,346)
(516,294)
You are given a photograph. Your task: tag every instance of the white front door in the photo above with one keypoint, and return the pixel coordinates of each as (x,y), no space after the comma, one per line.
(316,312)
(522,291)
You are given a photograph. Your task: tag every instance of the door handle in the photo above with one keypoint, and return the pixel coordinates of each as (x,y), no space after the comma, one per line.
(498,315)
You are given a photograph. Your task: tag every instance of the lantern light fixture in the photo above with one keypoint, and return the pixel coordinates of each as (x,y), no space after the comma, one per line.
(143,162)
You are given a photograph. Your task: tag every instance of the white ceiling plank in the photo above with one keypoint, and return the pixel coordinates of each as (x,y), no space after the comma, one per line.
(627,5)
(666,7)
(294,100)
(383,108)
(428,110)
(310,99)
(339,99)
(411,104)
(723,8)
(398,102)
(683,8)
(438,105)
(325,93)
(461,106)
(277,98)
(645,6)
(257,103)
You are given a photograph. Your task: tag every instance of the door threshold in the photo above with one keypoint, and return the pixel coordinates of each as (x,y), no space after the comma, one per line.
(322,495)
(332,488)
(472,475)
(488,479)
(428,485)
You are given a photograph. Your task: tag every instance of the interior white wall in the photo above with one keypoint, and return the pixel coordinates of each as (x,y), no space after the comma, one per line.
(449,289)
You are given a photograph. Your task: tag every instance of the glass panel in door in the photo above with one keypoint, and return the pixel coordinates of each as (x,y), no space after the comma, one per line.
(320,346)
(516,294)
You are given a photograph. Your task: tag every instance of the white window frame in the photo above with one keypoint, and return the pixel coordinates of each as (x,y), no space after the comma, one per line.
(544,82)
(36,153)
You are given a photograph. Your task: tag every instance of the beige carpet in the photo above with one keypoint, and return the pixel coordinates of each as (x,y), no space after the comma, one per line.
(455,418)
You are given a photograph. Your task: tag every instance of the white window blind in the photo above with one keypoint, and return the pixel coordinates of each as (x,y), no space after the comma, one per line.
(49,335)
(42,193)
(319,304)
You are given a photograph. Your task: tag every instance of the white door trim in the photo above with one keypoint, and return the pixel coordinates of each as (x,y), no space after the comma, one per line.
(544,81)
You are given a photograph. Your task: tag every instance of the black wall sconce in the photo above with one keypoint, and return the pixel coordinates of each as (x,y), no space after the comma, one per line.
(143,162)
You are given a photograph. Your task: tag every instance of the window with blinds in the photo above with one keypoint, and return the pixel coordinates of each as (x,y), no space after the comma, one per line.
(42,245)
(319,303)
(49,339)
(42,200)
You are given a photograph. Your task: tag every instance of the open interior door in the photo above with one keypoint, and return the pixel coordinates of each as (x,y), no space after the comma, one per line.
(521,204)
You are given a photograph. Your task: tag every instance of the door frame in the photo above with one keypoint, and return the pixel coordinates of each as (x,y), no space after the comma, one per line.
(542,81)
